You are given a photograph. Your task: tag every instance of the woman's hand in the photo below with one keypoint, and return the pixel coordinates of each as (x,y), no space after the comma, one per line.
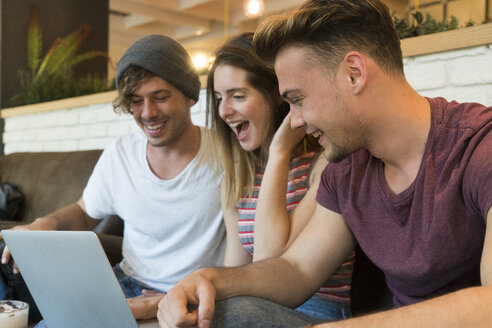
(286,139)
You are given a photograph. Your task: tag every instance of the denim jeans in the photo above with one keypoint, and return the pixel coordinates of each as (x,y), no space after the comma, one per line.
(247,311)
(325,309)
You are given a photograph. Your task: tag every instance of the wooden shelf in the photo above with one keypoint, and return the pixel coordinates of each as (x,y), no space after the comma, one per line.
(97,98)
(446,41)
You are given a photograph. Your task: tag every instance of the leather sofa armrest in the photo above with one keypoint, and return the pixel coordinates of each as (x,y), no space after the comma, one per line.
(110,233)
(112,247)
(111,225)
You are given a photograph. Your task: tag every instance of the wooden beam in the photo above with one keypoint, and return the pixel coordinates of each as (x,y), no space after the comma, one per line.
(169,17)
(133,21)
(187,4)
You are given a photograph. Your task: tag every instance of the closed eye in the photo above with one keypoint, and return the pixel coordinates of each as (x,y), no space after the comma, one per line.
(136,101)
(161,98)
(296,101)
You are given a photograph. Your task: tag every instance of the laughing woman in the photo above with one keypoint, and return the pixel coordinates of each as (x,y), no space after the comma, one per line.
(259,148)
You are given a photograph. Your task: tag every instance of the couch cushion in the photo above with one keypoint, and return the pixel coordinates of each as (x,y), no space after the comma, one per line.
(49,180)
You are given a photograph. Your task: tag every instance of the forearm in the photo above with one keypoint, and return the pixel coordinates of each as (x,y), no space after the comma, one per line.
(71,217)
(265,279)
(466,308)
(272,225)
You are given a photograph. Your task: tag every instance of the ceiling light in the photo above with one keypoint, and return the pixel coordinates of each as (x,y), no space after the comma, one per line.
(201,61)
(253,8)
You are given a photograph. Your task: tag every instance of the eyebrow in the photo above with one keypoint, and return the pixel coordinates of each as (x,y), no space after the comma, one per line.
(285,94)
(232,90)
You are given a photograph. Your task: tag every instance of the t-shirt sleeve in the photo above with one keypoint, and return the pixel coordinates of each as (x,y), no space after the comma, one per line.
(327,193)
(97,195)
(477,180)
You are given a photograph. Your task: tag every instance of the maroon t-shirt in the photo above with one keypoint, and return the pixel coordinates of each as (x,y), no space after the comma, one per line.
(427,239)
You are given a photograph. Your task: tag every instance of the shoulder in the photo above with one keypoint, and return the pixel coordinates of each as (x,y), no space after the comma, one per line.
(340,179)
(352,169)
(463,116)
(125,146)
(131,140)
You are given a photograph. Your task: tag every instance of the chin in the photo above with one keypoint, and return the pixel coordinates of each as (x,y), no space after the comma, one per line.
(247,146)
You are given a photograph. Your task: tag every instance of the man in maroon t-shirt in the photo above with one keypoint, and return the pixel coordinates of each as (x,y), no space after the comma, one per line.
(411,182)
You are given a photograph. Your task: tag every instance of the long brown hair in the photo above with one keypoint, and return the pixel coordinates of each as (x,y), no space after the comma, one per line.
(240,165)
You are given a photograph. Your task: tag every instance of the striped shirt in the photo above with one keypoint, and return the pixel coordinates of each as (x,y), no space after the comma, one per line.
(337,288)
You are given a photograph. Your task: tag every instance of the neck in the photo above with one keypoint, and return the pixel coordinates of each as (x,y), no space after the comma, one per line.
(168,161)
(400,129)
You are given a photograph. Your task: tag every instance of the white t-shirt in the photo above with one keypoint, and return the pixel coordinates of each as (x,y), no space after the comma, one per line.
(172,227)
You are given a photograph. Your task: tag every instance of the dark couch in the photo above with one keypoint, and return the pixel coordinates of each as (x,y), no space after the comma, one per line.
(52,180)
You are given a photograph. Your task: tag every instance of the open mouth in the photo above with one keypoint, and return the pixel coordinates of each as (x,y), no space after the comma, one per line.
(317,133)
(240,127)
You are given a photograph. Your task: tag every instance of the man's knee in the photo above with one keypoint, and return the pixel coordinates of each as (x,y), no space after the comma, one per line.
(247,311)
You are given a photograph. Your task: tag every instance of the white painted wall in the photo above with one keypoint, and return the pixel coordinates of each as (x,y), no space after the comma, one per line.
(464,75)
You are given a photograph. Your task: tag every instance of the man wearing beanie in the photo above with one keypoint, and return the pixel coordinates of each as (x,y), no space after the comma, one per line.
(163,181)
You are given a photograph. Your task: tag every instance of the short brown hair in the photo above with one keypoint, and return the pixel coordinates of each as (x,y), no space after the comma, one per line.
(130,79)
(329,29)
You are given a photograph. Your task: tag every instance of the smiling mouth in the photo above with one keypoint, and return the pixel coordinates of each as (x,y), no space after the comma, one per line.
(317,133)
(240,127)
(154,127)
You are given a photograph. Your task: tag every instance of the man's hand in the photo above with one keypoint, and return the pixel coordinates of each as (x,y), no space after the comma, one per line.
(145,306)
(179,307)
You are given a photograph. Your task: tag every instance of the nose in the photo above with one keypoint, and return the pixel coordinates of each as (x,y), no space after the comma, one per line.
(149,109)
(296,120)
(225,109)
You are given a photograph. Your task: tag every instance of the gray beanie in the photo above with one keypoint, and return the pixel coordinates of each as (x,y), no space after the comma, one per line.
(167,59)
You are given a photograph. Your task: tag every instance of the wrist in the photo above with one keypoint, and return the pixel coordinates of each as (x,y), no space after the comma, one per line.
(44,223)
(279,155)
(218,279)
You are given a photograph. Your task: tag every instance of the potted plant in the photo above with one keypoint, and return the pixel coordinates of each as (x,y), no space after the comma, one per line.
(51,76)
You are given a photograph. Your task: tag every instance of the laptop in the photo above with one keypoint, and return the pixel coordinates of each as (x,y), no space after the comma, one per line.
(71,279)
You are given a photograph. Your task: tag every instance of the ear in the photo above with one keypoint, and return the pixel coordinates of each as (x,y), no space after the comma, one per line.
(191,102)
(356,69)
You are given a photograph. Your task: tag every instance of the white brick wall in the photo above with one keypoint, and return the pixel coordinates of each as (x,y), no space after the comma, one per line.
(81,128)
(463,75)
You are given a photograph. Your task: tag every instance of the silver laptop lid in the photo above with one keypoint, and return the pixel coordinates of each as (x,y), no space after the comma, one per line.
(70,278)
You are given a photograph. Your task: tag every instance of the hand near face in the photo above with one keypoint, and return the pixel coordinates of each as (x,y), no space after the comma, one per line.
(286,138)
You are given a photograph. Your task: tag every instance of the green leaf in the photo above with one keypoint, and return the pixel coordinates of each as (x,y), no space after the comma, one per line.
(52,77)
(34,40)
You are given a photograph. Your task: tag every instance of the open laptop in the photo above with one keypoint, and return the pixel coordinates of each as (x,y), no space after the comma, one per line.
(71,279)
